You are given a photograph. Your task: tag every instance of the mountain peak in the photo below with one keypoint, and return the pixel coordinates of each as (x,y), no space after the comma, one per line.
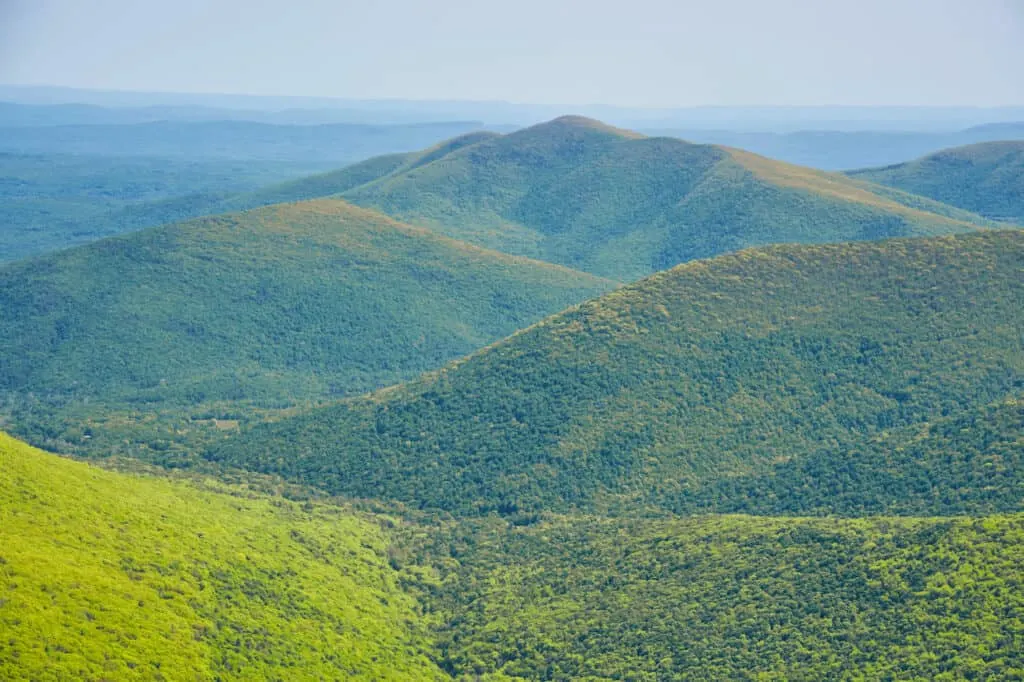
(582,122)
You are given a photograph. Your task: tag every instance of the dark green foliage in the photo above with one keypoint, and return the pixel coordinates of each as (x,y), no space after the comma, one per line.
(608,201)
(968,464)
(713,369)
(987,179)
(732,598)
(266,307)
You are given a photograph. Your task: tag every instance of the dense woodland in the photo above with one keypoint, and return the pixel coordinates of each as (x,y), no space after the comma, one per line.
(115,576)
(264,309)
(325,444)
(733,597)
(987,179)
(621,205)
(712,370)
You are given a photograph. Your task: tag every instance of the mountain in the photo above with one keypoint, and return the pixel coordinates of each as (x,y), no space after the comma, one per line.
(987,179)
(617,204)
(282,303)
(732,598)
(713,370)
(52,201)
(283,108)
(114,576)
(837,150)
(110,575)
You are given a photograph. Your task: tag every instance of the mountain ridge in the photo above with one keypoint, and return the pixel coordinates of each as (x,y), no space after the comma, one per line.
(265,308)
(622,205)
(985,178)
(715,368)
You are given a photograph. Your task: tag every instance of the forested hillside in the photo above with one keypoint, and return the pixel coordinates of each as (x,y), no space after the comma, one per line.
(715,369)
(579,193)
(987,179)
(969,463)
(263,308)
(733,598)
(118,577)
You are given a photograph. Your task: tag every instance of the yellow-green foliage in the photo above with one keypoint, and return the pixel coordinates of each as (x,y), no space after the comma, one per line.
(105,576)
(734,598)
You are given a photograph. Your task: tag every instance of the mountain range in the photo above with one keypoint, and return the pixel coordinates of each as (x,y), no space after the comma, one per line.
(842,150)
(617,204)
(709,372)
(987,179)
(291,301)
(562,403)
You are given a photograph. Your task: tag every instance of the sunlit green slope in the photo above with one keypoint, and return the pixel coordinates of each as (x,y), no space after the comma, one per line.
(660,391)
(107,576)
(733,598)
(577,192)
(986,178)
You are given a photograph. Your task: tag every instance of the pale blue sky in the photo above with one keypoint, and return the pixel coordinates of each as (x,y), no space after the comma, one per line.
(662,53)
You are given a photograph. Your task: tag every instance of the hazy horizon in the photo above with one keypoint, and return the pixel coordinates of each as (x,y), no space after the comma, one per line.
(654,54)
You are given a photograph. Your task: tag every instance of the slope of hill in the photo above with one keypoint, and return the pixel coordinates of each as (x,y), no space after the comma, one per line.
(713,369)
(987,179)
(117,576)
(970,463)
(111,576)
(734,598)
(582,194)
(345,179)
(843,150)
(296,300)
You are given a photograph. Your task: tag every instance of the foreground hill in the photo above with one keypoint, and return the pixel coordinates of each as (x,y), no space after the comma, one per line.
(111,576)
(987,179)
(615,203)
(114,576)
(649,395)
(734,598)
(289,301)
